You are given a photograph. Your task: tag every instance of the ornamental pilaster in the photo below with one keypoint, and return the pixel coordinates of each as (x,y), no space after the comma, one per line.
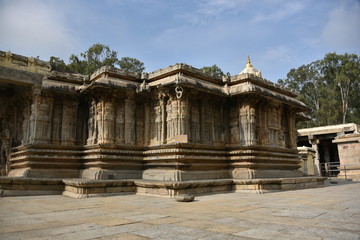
(130,106)
(41,115)
(69,121)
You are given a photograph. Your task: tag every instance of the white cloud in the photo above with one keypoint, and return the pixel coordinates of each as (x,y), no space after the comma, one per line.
(342,30)
(35,28)
(207,10)
(280,54)
(280,11)
(217,7)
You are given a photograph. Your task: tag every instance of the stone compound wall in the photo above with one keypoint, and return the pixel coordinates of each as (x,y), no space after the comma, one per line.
(121,125)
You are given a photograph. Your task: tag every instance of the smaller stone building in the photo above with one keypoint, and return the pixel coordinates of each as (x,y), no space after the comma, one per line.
(336,147)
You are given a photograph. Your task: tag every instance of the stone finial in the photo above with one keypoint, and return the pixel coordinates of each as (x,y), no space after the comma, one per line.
(249,69)
(248,62)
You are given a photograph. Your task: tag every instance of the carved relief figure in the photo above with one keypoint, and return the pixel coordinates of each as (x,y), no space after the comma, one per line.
(169,120)
(130,120)
(99,123)
(157,128)
(184,116)
(109,122)
(234,125)
(92,123)
(140,118)
(195,122)
(119,123)
(244,122)
(69,120)
(252,126)
(56,122)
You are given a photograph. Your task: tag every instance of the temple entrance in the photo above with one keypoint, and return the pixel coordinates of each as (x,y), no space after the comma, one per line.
(329,158)
(11,115)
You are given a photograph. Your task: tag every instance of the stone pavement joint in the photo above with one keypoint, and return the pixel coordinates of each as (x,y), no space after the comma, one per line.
(329,212)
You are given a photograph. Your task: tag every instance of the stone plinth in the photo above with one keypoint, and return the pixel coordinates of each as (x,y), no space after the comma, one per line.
(30,186)
(83,188)
(86,188)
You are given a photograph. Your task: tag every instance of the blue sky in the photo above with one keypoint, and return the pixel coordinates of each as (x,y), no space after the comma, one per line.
(277,34)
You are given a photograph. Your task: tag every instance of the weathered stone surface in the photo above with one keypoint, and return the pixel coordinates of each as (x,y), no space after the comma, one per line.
(184,198)
(118,125)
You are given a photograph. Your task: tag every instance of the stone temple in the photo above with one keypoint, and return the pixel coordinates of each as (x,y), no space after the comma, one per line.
(174,130)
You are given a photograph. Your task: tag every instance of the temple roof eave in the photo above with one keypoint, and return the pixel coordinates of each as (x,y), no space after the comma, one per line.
(248,87)
(59,86)
(109,82)
(238,89)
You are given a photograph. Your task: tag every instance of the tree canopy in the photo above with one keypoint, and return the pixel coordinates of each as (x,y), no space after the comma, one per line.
(96,56)
(330,87)
(215,70)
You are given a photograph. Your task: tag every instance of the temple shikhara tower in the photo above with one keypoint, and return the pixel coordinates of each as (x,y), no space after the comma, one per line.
(174,130)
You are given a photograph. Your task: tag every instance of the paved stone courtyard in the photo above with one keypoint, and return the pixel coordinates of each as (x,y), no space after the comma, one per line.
(331,212)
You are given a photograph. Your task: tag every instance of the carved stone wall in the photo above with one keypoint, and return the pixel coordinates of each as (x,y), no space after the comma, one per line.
(176,124)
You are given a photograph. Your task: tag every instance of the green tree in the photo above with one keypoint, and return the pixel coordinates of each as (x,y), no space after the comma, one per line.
(345,71)
(215,70)
(131,64)
(58,64)
(329,87)
(96,56)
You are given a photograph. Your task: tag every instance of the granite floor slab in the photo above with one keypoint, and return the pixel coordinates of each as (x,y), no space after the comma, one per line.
(329,212)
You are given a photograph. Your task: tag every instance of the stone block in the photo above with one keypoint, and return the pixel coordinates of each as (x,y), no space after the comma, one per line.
(288,187)
(184,198)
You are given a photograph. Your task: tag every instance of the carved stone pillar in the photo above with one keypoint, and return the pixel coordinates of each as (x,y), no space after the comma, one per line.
(40,119)
(195,121)
(252,125)
(315,146)
(130,120)
(99,122)
(263,134)
(147,124)
(120,122)
(108,122)
(69,121)
(140,118)
(234,124)
(273,123)
(284,132)
(183,115)
(208,121)
(218,135)
(82,123)
(292,130)
(157,130)
(92,127)
(169,120)
(163,130)
(56,122)
(244,124)
(26,120)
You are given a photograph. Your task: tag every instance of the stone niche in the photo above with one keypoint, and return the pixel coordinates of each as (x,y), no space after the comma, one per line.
(175,124)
